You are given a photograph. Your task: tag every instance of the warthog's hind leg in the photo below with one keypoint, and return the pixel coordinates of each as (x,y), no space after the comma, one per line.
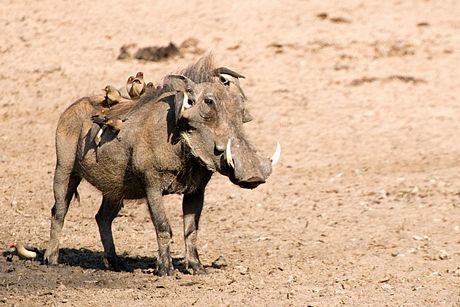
(192,204)
(65,187)
(107,213)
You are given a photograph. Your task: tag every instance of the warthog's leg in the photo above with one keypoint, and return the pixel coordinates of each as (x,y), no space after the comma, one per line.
(163,231)
(192,204)
(65,185)
(107,213)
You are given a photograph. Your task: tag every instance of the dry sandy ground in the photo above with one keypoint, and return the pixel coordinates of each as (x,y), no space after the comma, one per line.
(363,209)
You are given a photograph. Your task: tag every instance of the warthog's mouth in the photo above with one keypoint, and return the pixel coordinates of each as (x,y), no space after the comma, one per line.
(250,170)
(250,183)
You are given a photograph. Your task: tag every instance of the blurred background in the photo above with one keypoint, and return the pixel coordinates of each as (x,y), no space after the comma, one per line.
(364,206)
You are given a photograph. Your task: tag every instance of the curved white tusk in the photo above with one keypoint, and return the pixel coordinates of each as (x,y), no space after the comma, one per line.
(277,154)
(228,153)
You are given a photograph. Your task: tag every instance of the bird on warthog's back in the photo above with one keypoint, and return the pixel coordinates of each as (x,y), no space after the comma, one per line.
(112,96)
(129,85)
(138,86)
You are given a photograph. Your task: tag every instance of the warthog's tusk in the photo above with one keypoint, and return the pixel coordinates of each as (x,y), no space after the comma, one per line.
(23,252)
(228,154)
(277,154)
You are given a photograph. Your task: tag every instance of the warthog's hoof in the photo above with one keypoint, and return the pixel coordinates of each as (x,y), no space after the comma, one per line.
(165,271)
(50,258)
(114,264)
(197,268)
(200,271)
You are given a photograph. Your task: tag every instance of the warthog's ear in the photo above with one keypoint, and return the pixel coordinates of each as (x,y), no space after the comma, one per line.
(180,82)
(225,72)
(247,117)
(227,76)
(182,102)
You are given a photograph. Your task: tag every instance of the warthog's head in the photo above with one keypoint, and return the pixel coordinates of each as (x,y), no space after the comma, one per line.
(210,111)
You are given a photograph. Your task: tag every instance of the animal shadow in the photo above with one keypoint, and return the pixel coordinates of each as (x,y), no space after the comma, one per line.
(88,259)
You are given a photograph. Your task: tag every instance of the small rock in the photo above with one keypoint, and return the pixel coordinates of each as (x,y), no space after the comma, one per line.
(322,15)
(339,20)
(262,238)
(64,300)
(387,287)
(316,290)
(340,291)
(292,279)
(420,238)
(10,269)
(61,287)
(189,283)
(443,255)
(385,279)
(397,254)
(243,270)
(423,24)
(219,263)
(148,271)
(457,273)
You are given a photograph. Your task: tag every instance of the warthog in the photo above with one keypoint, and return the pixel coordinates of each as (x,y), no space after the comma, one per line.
(172,141)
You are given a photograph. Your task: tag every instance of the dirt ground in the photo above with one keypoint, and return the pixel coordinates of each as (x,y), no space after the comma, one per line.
(362,209)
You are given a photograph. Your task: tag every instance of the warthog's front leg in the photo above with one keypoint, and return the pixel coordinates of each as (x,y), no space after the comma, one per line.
(107,213)
(163,231)
(192,204)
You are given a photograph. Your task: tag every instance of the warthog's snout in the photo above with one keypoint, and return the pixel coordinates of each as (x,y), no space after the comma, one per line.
(246,168)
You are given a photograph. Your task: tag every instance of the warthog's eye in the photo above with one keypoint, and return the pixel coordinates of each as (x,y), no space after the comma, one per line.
(209,100)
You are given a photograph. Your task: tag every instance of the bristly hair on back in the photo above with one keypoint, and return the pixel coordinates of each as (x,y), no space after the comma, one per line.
(200,71)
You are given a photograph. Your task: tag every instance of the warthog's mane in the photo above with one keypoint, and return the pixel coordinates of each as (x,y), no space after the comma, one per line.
(199,72)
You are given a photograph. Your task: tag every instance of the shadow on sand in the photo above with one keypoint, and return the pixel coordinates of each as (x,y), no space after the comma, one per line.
(88,259)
